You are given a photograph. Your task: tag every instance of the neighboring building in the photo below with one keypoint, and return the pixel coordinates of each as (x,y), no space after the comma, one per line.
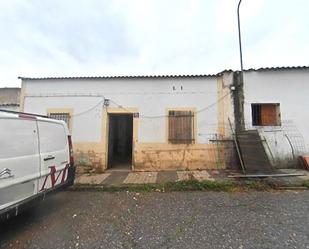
(276,103)
(9,98)
(173,122)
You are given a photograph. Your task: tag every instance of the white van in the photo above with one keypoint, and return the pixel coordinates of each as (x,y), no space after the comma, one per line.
(35,160)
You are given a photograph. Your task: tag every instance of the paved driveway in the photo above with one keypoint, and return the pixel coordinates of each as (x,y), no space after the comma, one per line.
(163,220)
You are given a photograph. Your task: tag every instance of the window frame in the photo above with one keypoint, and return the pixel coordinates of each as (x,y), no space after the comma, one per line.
(193,125)
(257,114)
(62,111)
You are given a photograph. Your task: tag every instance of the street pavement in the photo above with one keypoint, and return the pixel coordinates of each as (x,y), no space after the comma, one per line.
(278,219)
(115,177)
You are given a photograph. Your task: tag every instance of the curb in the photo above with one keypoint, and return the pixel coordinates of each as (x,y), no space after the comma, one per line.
(194,185)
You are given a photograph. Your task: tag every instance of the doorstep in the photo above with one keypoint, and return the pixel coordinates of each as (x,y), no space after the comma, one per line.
(133,177)
(118,178)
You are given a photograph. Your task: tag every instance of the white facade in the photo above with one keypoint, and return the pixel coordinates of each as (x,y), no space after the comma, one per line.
(289,88)
(211,98)
(150,97)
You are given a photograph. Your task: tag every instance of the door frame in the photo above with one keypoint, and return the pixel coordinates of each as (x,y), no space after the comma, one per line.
(135,119)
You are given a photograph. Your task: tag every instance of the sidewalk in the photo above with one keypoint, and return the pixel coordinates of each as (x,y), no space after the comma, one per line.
(131,177)
(119,178)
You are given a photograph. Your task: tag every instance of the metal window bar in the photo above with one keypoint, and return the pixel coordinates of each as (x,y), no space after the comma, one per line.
(256,114)
(266,114)
(61,116)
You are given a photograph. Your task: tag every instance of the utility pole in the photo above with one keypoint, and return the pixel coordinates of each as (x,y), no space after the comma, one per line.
(238,94)
(239,38)
(238,99)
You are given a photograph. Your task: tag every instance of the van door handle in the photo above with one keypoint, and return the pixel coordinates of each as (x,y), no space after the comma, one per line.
(49,158)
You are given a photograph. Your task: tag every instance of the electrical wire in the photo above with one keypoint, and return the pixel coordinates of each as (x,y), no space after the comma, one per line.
(144,116)
(90,109)
(213,104)
(164,116)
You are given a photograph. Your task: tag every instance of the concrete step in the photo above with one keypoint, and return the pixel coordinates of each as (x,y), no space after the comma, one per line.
(253,153)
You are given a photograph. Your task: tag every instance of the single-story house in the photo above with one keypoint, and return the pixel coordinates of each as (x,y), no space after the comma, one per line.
(176,121)
(276,103)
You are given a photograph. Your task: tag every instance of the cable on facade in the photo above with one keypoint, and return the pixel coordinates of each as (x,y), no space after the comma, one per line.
(213,104)
(89,110)
(144,116)
(164,116)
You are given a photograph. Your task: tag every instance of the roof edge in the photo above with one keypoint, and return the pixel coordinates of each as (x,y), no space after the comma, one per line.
(119,77)
(166,76)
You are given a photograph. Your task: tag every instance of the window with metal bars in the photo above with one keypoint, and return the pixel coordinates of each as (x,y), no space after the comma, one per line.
(61,116)
(181,127)
(266,114)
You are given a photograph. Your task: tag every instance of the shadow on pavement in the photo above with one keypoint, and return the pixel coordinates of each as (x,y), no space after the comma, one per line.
(10,228)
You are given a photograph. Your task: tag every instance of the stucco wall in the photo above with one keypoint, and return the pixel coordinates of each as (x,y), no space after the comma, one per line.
(193,156)
(14,107)
(9,96)
(290,88)
(150,97)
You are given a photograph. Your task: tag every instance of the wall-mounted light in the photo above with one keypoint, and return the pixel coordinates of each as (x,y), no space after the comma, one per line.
(106,102)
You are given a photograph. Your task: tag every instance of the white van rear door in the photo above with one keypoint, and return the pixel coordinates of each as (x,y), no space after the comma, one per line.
(54,154)
(19,160)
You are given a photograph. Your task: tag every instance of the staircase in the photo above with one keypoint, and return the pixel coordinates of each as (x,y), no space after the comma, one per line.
(253,153)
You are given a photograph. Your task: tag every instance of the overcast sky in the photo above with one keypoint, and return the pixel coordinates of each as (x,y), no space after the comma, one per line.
(138,37)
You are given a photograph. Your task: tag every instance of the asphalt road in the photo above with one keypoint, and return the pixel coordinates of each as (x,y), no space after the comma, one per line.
(163,220)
